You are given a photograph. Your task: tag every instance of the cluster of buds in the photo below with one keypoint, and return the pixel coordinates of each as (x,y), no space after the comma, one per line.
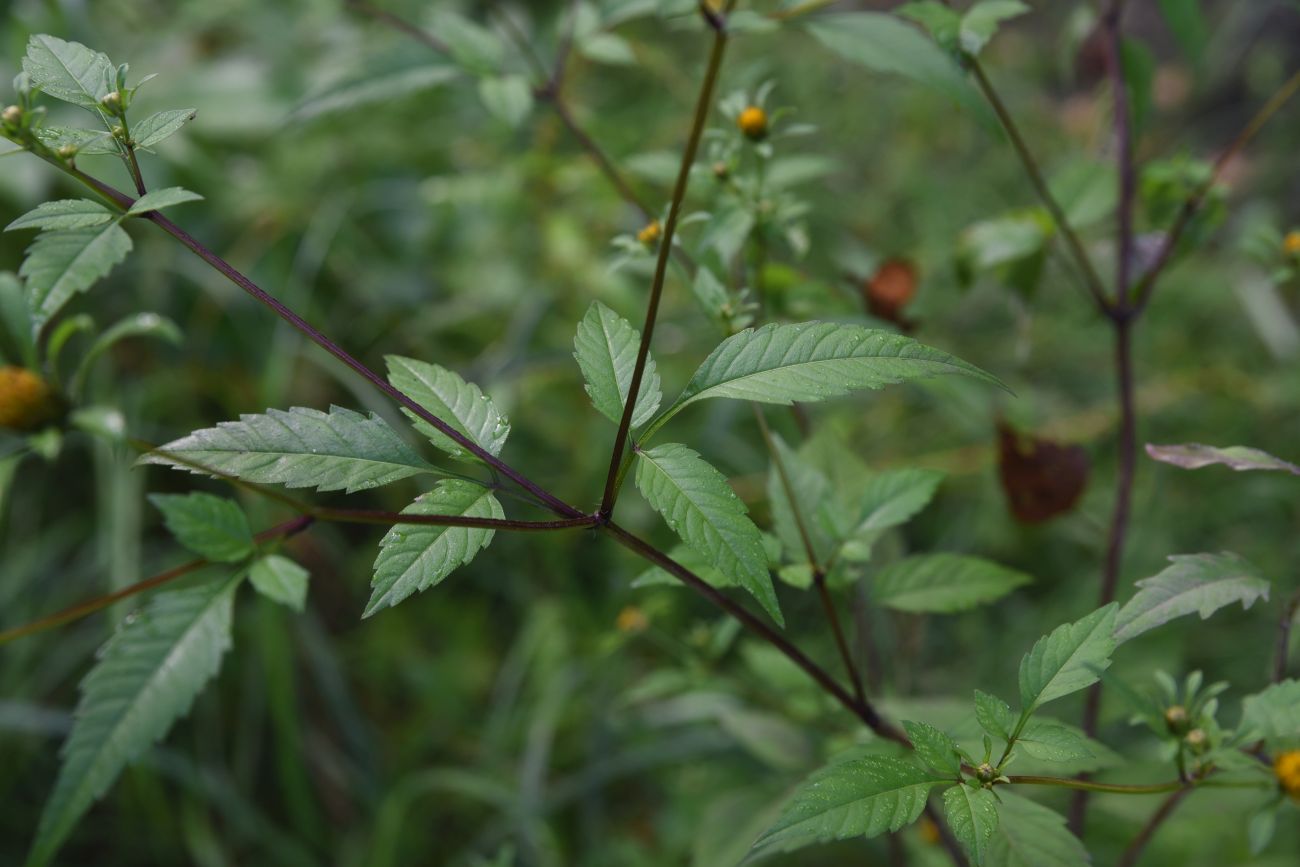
(26,401)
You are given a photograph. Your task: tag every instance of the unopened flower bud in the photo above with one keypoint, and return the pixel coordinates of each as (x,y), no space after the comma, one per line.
(26,401)
(12,116)
(112,102)
(67,152)
(1176,718)
(649,235)
(721,170)
(986,773)
(1197,740)
(753,123)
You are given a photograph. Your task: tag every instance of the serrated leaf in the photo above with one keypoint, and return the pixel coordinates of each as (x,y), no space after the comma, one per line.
(813,361)
(934,748)
(458,403)
(981,22)
(943,583)
(1194,584)
(63,214)
(1031,835)
(16,318)
(69,70)
(159,199)
(1068,659)
(993,715)
(162,125)
(1193,456)
(1274,714)
(973,817)
(705,513)
(300,448)
(883,43)
(1053,742)
(857,798)
(61,264)
(508,98)
(606,348)
(280,580)
(147,676)
(415,557)
(86,141)
(212,527)
(889,499)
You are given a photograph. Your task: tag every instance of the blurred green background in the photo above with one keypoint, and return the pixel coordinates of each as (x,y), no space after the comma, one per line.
(505,717)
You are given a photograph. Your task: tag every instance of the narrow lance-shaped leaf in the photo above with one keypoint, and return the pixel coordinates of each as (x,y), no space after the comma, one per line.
(300,448)
(1194,584)
(160,126)
(1193,456)
(606,348)
(69,70)
(156,200)
(1068,659)
(212,527)
(943,583)
(146,677)
(281,580)
(64,214)
(857,798)
(61,264)
(973,817)
(415,557)
(700,507)
(458,403)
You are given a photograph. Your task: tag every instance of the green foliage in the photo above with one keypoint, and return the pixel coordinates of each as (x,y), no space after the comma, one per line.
(415,557)
(983,19)
(889,499)
(159,199)
(160,126)
(943,583)
(1031,835)
(934,748)
(373,86)
(299,448)
(147,676)
(1053,742)
(1274,715)
(993,715)
(280,580)
(459,403)
(60,264)
(973,816)
(606,349)
(1194,584)
(1193,456)
(64,214)
(69,71)
(1067,659)
(212,527)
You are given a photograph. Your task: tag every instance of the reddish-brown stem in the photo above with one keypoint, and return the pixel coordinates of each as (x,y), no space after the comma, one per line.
(1163,812)
(367,516)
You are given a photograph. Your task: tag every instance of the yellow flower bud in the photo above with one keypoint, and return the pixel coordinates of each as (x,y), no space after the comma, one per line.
(753,123)
(1287,768)
(1291,243)
(650,234)
(25,400)
(631,619)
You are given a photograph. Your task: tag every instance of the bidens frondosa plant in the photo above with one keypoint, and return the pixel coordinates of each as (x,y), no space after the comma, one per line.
(846,753)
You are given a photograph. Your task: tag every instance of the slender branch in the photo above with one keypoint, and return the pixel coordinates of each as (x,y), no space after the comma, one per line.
(400,24)
(1124,236)
(1163,812)
(597,154)
(1283,650)
(368,516)
(702,107)
(1147,283)
(83,609)
(1090,786)
(132,164)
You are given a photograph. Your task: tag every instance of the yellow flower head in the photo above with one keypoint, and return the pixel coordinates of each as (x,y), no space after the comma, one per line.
(1291,243)
(1287,767)
(753,123)
(929,831)
(650,234)
(25,399)
(631,619)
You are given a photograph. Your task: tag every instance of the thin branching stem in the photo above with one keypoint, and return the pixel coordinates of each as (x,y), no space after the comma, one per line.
(1282,652)
(1162,813)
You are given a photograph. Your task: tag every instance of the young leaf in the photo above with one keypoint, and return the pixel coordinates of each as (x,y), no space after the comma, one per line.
(508,98)
(61,264)
(471,45)
(373,86)
(212,527)
(69,70)
(973,816)
(943,583)
(1031,835)
(159,199)
(415,557)
(134,325)
(63,214)
(700,507)
(994,715)
(857,798)
(813,361)
(606,348)
(86,141)
(301,448)
(459,403)
(981,22)
(1193,456)
(934,748)
(280,580)
(146,677)
(1274,714)
(1068,659)
(1054,742)
(889,499)
(1194,584)
(160,126)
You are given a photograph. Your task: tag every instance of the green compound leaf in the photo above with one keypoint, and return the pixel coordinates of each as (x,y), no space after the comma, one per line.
(300,448)
(61,264)
(64,214)
(147,676)
(160,126)
(944,583)
(69,70)
(606,347)
(1068,659)
(857,798)
(700,507)
(212,527)
(1194,584)
(159,199)
(1031,835)
(415,557)
(280,580)
(973,816)
(813,361)
(458,403)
